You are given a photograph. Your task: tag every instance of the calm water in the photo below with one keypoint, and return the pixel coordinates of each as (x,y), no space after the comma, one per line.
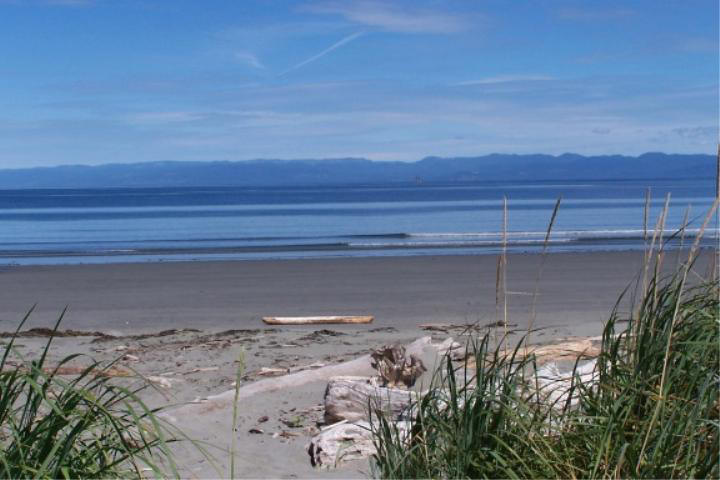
(182,224)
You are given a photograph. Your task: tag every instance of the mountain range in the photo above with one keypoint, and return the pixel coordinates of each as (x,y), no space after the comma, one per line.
(353,171)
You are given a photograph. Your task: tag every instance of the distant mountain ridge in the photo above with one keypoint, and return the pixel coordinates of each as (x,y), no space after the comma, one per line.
(349,171)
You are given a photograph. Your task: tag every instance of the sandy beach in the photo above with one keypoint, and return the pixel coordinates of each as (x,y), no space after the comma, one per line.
(210,311)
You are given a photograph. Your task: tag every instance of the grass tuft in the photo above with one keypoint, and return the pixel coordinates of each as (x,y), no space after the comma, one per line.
(77,427)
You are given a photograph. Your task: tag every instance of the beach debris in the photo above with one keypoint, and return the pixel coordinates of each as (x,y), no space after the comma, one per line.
(317,320)
(272,372)
(294,422)
(263,419)
(130,358)
(103,337)
(202,369)
(382,329)
(437,327)
(119,348)
(320,335)
(395,367)
(311,430)
(343,442)
(161,382)
(49,332)
(285,434)
(99,372)
(462,327)
(312,366)
(349,398)
(256,430)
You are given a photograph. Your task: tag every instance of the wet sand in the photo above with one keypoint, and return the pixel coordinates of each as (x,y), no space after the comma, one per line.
(576,289)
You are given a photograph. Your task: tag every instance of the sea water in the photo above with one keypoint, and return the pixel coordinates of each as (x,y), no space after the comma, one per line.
(66,226)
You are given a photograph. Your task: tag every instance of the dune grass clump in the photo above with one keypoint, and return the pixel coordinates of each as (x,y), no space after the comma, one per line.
(651,411)
(468,425)
(654,410)
(83,426)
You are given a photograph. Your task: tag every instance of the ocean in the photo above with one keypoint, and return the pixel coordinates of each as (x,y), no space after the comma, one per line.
(65,226)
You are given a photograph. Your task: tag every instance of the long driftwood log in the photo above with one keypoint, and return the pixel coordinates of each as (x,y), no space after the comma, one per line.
(318,320)
(352,398)
(344,442)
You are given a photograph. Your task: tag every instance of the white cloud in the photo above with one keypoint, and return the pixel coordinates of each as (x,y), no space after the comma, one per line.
(249,59)
(504,79)
(332,47)
(389,17)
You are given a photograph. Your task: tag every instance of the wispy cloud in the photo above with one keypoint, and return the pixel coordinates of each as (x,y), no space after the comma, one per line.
(504,79)
(334,46)
(592,13)
(697,133)
(52,3)
(69,3)
(249,59)
(163,117)
(389,17)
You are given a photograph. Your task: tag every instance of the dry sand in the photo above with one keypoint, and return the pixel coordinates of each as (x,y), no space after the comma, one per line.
(223,302)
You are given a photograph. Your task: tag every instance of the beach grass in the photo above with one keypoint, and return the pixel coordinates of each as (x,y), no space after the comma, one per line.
(78,426)
(651,408)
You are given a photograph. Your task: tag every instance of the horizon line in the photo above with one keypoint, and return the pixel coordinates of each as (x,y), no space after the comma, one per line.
(331,159)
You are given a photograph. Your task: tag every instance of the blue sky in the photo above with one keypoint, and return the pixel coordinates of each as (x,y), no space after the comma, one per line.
(105,81)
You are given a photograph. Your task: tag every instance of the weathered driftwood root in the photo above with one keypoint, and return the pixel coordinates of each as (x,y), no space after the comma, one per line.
(352,398)
(317,320)
(344,442)
(395,367)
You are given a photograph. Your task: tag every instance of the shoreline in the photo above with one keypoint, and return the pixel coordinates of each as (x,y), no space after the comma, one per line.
(328,252)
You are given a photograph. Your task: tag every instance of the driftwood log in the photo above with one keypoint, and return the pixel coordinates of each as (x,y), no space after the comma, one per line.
(569,350)
(344,442)
(317,320)
(352,398)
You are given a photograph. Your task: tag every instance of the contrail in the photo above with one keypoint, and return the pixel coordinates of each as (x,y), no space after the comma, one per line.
(332,47)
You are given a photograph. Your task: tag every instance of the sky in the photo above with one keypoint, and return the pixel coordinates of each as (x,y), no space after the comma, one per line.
(120,81)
